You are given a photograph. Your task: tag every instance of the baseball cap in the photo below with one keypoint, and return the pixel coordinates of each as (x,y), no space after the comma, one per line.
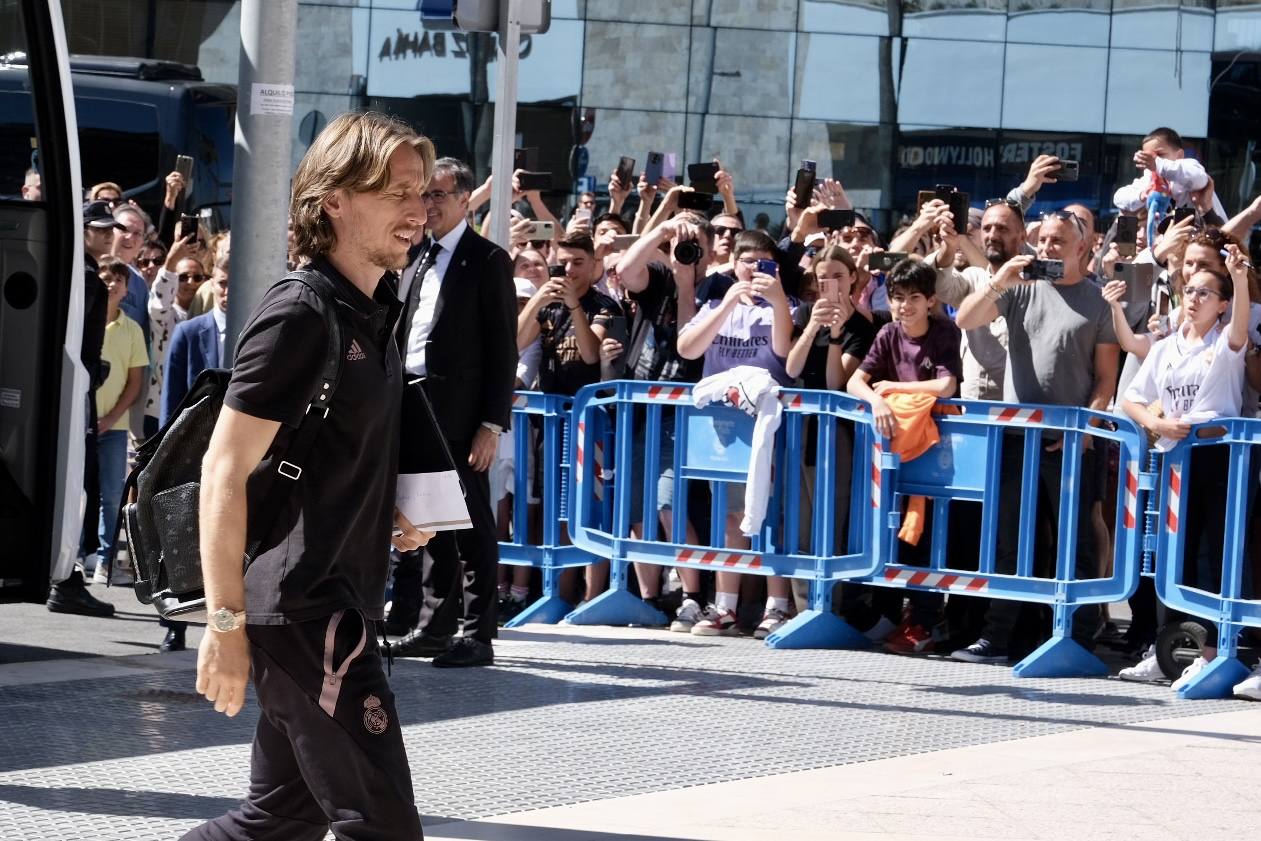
(96,214)
(525,289)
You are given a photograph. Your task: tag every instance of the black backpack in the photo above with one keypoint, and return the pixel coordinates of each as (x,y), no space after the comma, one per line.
(162,523)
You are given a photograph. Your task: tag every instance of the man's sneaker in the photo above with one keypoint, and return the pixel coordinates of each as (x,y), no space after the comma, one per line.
(117,577)
(1197,666)
(1250,687)
(909,639)
(881,630)
(981,651)
(771,622)
(716,623)
(688,614)
(1148,671)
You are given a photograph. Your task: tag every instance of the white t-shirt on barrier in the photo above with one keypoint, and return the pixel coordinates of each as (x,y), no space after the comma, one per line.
(1193,380)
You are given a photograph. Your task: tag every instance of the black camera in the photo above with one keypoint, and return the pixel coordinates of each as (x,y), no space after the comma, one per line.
(1051,270)
(688,252)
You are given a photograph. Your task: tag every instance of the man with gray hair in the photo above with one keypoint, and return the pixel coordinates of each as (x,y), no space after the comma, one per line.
(458,339)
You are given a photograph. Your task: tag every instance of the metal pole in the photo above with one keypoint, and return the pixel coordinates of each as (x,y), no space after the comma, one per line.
(505,119)
(261,170)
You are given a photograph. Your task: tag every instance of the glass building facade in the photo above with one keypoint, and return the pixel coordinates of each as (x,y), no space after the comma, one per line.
(890,97)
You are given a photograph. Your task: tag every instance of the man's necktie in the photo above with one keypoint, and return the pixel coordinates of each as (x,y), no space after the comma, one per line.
(413,295)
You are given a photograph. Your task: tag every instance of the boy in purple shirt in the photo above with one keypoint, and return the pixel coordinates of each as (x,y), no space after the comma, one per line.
(916,352)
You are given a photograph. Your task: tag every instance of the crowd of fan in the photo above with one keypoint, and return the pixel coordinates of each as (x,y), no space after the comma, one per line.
(680,295)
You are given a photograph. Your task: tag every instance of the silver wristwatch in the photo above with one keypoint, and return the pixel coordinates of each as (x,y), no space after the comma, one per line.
(225,621)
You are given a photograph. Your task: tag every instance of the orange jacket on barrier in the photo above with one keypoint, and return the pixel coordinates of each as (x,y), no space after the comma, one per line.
(914,433)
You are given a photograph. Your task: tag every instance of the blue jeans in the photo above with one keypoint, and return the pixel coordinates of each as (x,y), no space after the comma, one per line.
(111,457)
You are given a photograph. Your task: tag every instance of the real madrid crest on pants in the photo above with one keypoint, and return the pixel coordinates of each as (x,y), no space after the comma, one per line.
(375,721)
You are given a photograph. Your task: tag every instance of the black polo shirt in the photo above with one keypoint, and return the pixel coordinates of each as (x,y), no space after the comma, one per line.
(330,547)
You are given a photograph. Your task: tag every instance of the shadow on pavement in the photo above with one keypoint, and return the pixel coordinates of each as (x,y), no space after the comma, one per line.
(11,652)
(138,804)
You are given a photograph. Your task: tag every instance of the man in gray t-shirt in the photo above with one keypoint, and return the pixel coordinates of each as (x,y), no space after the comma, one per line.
(1061,350)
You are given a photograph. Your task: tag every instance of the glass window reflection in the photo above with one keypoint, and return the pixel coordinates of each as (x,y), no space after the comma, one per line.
(1070,22)
(972,96)
(1054,88)
(835,79)
(973,20)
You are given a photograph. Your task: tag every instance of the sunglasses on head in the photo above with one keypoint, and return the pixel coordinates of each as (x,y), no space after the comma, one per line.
(1012,203)
(1067,216)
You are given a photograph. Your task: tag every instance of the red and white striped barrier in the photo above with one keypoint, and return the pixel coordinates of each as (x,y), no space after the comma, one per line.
(876,451)
(728,560)
(1010,415)
(669,393)
(520,401)
(1175,495)
(937,580)
(1130,490)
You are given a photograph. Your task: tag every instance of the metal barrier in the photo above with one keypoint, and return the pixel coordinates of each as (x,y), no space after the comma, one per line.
(967,465)
(550,553)
(1227,609)
(713,445)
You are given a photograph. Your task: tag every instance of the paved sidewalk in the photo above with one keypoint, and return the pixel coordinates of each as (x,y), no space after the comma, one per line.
(630,734)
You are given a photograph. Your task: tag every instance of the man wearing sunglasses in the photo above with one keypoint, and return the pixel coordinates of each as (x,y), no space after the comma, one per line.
(1062,351)
(726,227)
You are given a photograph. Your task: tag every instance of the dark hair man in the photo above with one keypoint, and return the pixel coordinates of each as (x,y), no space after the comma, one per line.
(328,747)
(458,332)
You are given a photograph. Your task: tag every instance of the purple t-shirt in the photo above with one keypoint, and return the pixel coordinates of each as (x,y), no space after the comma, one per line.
(895,356)
(744,339)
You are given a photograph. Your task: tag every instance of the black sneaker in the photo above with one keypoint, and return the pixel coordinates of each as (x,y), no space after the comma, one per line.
(72,596)
(981,651)
(510,608)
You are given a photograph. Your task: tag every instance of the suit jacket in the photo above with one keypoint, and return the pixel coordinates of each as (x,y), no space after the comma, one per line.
(471,355)
(194,348)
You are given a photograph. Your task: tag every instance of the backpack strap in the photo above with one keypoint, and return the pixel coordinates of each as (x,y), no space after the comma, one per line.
(289,468)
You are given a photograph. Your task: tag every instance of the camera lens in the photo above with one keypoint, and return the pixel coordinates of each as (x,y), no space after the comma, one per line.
(688,252)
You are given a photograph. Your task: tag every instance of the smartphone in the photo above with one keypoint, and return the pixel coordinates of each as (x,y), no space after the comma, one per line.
(1045,270)
(583,214)
(944,191)
(886,260)
(1135,274)
(611,369)
(188,224)
(922,198)
(830,290)
(556,271)
(1068,171)
(835,220)
(769,267)
(540,231)
(1181,213)
(1126,236)
(209,221)
(626,171)
(654,170)
(184,166)
(803,188)
(701,177)
(959,211)
(1162,308)
(695,201)
(625,241)
(670,167)
(809,165)
(536,180)
(519,160)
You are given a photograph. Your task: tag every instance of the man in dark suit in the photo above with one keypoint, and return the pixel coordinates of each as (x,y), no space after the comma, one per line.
(458,333)
(196,344)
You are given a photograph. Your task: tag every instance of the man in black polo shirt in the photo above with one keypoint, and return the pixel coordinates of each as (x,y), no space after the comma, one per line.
(328,752)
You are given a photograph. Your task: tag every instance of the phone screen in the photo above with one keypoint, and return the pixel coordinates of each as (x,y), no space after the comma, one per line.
(803,188)
(1126,235)
(626,171)
(702,175)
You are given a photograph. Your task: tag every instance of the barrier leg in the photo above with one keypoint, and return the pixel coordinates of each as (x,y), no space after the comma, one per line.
(617,605)
(1216,680)
(818,627)
(1061,655)
(549,609)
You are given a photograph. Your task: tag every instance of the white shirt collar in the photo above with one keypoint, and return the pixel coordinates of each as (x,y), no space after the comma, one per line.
(452,237)
(221,318)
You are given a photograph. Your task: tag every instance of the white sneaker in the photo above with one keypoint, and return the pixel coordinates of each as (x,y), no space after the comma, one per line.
(121,576)
(772,620)
(688,614)
(1197,666)
(99,575)
(881,630)
(1148,671)
(1250,687)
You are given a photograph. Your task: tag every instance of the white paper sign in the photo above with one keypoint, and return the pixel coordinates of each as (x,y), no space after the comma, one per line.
(433,501)
(271,99)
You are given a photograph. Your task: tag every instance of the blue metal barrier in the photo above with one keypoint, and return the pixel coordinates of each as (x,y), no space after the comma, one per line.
(1227,609)
(550,554)
(967,465)
(712,444)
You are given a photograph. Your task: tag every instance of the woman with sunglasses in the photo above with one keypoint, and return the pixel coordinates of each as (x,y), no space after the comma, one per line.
(170,299)
(1194,375)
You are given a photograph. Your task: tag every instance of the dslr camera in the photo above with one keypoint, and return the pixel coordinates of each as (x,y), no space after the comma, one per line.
(688,252)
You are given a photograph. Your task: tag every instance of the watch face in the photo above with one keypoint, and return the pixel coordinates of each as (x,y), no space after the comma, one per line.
(224,620)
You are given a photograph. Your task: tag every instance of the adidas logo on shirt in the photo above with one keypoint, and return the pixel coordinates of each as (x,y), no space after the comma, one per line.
(355,354)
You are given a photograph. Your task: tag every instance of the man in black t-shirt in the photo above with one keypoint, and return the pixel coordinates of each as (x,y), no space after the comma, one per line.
(328,748)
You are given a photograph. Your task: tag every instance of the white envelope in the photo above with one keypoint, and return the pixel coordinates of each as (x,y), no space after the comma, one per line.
(433,501)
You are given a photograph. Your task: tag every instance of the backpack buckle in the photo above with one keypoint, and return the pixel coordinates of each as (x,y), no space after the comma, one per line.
(293,471)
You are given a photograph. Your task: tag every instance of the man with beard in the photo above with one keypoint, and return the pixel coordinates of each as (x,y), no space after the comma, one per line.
(985,348)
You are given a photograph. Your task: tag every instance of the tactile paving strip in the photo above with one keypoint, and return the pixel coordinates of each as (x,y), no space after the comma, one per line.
(560,719)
